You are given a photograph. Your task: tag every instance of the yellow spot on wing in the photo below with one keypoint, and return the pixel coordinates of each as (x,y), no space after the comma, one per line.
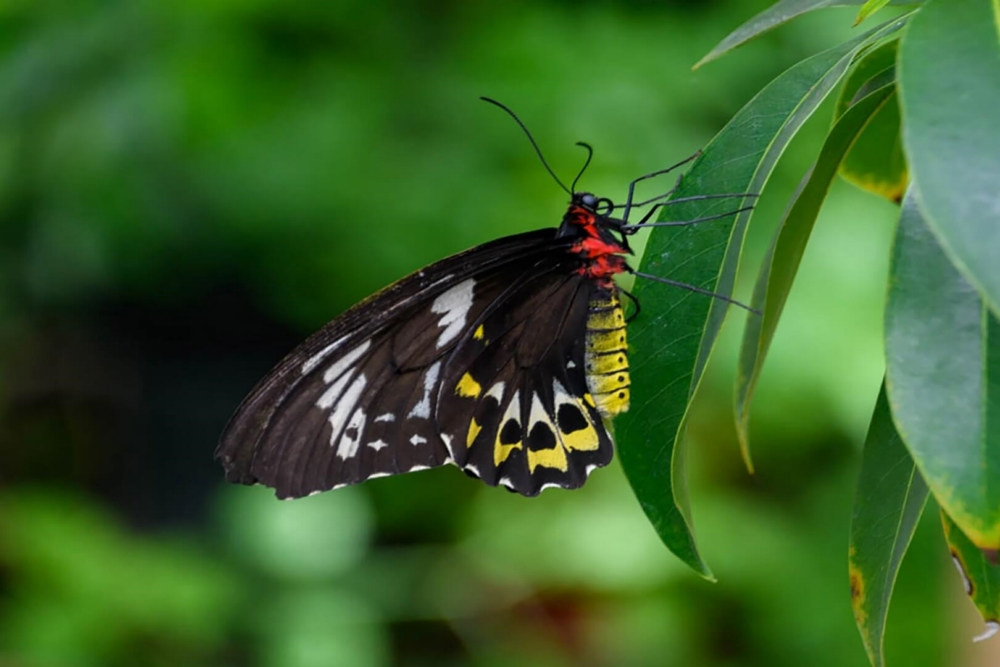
(502,452)
(585,439)
(590,400)
(548,458)
(474,430)
(479,333)
(467,387)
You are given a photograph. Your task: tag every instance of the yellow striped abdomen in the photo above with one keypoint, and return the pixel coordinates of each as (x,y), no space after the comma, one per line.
(607,356)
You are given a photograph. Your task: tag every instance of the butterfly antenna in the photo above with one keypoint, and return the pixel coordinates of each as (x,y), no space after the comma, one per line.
(692,288)
(538,150)
(590,155)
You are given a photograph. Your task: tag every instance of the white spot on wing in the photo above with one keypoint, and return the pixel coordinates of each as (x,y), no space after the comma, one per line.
(331,395)
(344,407)
(496,391)
(418,468)
(570,364)
(376,475)
(561,395)
(314,361)
(550,485)
(473,469)
(447,443)
(454,305)
(387,417)
(348,445)
(423,408)
(340,366)
(505,481)
(538,414)
(591,468)
(378,445)
(418,439)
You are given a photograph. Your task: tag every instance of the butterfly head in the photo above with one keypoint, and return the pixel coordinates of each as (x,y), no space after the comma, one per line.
(591,203)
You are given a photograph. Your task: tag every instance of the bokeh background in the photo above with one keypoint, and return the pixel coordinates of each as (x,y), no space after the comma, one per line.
(188,189)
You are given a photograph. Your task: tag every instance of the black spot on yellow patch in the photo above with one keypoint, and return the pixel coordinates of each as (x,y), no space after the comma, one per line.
(510,433)
(541,437)
(570,419)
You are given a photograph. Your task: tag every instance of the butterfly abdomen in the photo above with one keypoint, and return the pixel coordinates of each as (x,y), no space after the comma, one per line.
(607,355)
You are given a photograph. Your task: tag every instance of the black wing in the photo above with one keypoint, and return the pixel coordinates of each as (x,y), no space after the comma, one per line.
(363,397)
(514,406)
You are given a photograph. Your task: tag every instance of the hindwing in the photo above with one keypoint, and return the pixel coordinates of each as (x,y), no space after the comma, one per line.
(514,402)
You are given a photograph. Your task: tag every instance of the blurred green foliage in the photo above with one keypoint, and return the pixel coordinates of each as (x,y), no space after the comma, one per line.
(187,189)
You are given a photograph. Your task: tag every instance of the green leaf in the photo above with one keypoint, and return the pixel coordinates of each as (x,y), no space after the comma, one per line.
(943,376)
(889,500)
(866,74)
(868,9)
(775,15)
(875,162)
(666,371)
(781,264)
(949,66)
(980,578)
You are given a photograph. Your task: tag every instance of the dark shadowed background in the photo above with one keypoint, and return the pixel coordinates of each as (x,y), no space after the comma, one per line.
(188,189)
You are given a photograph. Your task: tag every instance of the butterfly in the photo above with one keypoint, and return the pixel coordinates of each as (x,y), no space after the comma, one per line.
(507,360)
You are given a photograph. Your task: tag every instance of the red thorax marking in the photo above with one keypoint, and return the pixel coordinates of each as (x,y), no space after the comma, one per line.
(601,251)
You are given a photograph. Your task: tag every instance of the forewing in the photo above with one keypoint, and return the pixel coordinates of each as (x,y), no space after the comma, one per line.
(359,397)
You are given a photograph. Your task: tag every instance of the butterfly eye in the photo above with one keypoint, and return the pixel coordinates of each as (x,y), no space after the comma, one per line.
(589,200)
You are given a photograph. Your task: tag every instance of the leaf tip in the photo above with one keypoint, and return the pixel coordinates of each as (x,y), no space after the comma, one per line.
(743,437)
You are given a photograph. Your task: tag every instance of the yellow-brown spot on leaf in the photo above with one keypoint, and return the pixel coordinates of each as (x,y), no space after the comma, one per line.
(857,580)
(858,596)
(467,387)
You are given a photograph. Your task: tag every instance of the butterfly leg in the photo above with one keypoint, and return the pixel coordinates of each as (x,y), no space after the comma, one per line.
(631,186)
(644,223)
(635,313)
